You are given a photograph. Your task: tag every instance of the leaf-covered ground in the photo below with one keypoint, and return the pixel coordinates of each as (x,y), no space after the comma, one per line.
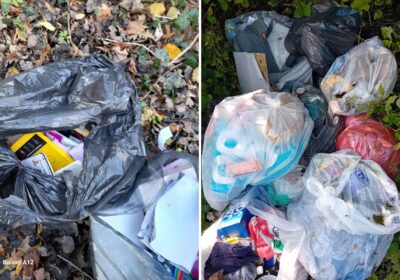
(157,41)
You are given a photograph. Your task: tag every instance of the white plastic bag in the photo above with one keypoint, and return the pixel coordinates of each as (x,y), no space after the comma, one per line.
(252,139)
(290,234)
(367,72)
(345,201)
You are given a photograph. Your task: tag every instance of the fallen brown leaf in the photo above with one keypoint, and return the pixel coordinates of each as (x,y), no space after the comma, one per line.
(39,274)
(104,13)
(49,7)
(132,66)
(136,28)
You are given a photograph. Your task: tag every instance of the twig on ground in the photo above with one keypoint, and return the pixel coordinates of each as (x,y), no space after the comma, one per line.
(164,17)
(76,267)
(129,43)
(185,50)
(76,50)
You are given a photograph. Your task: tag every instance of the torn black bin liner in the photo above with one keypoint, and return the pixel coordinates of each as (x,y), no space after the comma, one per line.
(328,33)
(66,95)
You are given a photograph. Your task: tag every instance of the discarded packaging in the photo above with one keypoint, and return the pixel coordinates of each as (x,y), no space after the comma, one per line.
(37,143)
(273,236)
(252,139)
(343,211)
(159,220)
(365,73)
(261,36)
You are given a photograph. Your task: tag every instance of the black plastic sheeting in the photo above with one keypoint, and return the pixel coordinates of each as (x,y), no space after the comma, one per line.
(328,33)
(66,95)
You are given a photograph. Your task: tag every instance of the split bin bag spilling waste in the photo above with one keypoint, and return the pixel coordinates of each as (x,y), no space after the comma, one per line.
(66,95)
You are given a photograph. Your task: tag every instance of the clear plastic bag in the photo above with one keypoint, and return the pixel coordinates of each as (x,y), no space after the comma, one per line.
(371,140)
(346,210)
(252,139)
(367,72)
(290,234)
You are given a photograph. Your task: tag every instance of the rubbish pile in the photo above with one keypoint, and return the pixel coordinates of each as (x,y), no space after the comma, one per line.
(72,147)
(303,180)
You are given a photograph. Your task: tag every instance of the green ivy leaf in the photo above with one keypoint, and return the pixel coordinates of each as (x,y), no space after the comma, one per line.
(361,5)
(302,10)
(212,20)
(243,3)
(162,55)
(378,14)
(224,4)
(397,135)
(182,22)
(387,32)
(191,60)
(389,102)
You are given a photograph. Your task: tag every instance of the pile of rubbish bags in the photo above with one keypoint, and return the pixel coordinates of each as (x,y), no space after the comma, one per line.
(302,178)
(72,147)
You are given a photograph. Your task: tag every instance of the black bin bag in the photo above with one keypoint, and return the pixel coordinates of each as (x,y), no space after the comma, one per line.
(66,95)
(329,32)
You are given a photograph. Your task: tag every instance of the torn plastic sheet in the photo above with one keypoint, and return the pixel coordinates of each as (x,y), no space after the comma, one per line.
(116,257)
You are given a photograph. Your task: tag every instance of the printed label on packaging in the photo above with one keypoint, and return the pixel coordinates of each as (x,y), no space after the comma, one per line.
(39,162)
(30,147)
(241,168)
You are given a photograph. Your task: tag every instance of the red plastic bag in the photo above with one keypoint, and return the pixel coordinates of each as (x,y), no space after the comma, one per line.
(372,140)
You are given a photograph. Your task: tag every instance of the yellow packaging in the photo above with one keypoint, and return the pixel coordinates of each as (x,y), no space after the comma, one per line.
(234,240)
(35,143)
